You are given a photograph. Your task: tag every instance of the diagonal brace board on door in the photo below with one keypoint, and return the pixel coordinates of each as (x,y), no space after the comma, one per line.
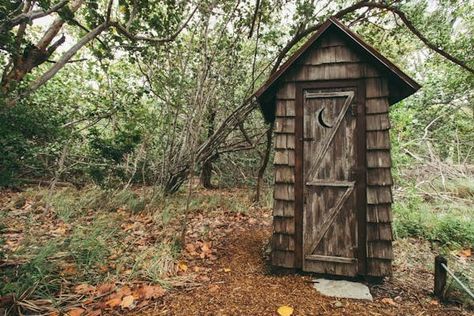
(309,95)
(332,215)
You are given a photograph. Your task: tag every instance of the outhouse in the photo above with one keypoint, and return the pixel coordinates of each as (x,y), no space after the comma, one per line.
(332,194)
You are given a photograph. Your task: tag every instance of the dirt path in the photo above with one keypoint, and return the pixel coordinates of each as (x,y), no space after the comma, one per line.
(241,284)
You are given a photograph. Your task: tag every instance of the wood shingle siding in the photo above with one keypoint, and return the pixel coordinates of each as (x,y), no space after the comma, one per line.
(284,157)
(379,180)
(333,64)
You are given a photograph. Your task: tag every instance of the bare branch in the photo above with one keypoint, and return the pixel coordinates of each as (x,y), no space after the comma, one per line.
(56,26)
(428,43)
(66,57)
(109,11)
(371,5)
(32,15)
(124,31)
(254,19)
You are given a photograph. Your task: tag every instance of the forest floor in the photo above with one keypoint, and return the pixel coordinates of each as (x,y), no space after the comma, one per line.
(111,260)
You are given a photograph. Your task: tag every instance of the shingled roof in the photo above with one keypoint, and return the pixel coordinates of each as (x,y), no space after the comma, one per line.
(400,84)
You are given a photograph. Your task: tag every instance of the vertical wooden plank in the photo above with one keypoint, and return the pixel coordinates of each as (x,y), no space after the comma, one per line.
(362,180)
(299,193)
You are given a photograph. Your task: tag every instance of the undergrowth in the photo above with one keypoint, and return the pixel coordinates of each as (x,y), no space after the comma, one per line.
(440,214)
(90,236)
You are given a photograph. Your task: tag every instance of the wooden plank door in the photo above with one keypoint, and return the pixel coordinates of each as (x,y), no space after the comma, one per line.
(333,178)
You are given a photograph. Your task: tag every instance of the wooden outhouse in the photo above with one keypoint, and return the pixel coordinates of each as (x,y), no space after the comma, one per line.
(332,193)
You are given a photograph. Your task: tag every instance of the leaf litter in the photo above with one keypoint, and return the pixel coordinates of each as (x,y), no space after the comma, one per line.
(221,270)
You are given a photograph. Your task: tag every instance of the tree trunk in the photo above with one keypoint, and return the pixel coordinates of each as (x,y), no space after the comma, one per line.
(34,55)
(263,167)
(206,172)
(209,147)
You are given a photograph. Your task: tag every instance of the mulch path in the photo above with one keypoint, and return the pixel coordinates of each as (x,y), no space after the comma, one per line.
(241,283)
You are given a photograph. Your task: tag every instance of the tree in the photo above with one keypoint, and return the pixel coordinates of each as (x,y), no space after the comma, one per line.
(129,19)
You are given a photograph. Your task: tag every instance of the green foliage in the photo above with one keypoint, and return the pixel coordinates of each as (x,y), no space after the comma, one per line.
(451,225)
(30,134)
(40,272)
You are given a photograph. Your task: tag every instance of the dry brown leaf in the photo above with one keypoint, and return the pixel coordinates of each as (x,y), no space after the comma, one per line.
(104,288)
(151,291)
(213,288)
(84,289)
(127,302)
(388,300)
(113,302)
(95,312)
(76,312)
(182,266)
(124,291)
(285,310)
(190,248)
(466,252)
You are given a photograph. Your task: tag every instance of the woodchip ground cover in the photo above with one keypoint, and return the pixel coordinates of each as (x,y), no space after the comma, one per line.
(90,252)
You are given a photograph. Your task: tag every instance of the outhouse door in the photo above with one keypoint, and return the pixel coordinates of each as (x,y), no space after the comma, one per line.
(333,176)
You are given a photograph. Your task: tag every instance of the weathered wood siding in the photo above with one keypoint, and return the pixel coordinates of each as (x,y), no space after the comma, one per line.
(379,179)
(283,242)
(332,59)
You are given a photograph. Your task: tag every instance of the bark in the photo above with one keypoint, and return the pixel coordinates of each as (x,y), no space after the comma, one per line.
(34,55)
(211,145)
(56,26)
(263,167)
(30,16)
(66,57)
(206,171)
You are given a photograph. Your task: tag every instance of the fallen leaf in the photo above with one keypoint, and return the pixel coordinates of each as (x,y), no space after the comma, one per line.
(213,288)
(127,302)
(116,301)
(150,291)
(84,289)
(227,270)
(190,248)
(434,302)
(387,300)
(285,310)
(75,312)
(104,288)
(466,252)
(182,266)
(124,291)
(206,248)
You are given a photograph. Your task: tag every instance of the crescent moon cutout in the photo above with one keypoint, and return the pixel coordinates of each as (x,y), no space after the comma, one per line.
(321,121)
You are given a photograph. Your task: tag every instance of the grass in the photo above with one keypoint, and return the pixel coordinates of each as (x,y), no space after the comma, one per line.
(450,224)
(92,236)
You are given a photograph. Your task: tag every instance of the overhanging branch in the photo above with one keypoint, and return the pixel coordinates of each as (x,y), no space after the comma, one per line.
(32,15)
(372,5)
(124,31)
